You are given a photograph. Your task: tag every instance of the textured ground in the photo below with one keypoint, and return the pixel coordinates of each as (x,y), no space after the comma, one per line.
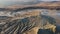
(19,17)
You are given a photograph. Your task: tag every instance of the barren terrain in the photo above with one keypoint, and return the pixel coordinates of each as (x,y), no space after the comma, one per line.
(20,12)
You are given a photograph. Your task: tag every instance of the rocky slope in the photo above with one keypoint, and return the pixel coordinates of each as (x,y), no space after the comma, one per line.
(27,19)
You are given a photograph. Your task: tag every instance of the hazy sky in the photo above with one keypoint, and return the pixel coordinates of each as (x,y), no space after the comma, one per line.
(29,0)
(9,1)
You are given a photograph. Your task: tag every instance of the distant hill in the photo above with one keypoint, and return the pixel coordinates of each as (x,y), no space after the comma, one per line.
(50,5)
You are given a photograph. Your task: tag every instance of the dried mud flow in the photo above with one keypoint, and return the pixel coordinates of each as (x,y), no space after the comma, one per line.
(30,19)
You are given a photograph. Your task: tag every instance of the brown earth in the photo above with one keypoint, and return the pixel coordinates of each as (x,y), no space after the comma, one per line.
(34,13)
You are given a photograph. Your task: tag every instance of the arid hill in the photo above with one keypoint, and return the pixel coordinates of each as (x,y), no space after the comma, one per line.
(18,19)
(49,5)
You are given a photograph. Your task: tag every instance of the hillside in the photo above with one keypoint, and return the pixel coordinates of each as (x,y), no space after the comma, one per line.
(28,19)
(50,5)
